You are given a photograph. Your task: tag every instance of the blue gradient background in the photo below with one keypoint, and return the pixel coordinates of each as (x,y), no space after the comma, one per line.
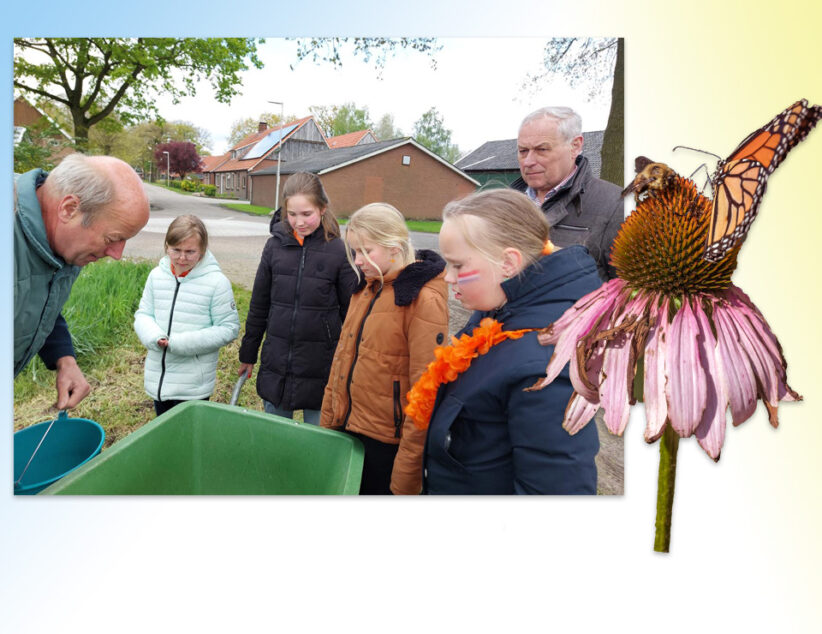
(745,552)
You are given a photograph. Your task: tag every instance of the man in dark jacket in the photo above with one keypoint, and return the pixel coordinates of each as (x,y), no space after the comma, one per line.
(580,208)
(84,210)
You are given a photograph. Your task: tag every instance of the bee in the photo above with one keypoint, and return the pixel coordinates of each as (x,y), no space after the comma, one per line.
(650,177)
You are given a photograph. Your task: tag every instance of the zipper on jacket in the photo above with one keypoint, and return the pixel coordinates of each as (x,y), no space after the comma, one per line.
(293,319)
(165,350)
(397,410)
(357,354)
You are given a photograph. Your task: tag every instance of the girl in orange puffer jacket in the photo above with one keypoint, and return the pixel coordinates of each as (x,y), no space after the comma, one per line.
(396,318)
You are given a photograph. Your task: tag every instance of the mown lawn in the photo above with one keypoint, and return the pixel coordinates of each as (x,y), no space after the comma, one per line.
(100,314)
(255,210)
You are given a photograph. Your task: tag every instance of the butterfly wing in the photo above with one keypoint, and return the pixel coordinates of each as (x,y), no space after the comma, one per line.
(736,198)
(740,180)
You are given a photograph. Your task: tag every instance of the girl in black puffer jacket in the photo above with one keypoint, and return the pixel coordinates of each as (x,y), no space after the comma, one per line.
(300,297)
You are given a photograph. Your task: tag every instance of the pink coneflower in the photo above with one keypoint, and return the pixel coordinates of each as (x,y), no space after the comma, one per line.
(671,330)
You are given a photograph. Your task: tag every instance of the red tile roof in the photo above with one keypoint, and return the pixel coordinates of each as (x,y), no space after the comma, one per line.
(240,164)
(210,163)
(347,140)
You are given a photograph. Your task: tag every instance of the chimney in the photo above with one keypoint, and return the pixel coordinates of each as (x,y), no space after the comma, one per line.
(262,126)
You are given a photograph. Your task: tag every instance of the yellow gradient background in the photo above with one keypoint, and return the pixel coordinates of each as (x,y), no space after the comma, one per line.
(745,553)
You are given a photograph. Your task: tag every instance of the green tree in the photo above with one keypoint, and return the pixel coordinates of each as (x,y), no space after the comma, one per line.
(97,77)
(330,50)
(337,120)
(40,143)
(385,129)
(596,64)
(430,131)
(241,128)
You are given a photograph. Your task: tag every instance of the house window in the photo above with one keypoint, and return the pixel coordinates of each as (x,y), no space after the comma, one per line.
(406,159)
(242,183)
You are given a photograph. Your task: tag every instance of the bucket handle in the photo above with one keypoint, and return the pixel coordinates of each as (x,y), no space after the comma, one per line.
(60,416)
(235,395)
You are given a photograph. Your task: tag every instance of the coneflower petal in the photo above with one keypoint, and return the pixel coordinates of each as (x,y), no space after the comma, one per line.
(656,402)
(766,372)
(587,384)
(593,301)
(614,390)
(566,344)
(710,433)
(741,384)
(743,305)
(686,378)
(578,413)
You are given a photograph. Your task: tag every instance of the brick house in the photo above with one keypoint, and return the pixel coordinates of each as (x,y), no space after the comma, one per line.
(231,171)
(400,172)
(496,161)
(26,117)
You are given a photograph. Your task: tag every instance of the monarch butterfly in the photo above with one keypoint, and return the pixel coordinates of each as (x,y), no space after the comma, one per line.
(739,181)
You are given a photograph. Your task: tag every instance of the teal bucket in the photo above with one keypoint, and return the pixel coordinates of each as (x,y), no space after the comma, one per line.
(71,442)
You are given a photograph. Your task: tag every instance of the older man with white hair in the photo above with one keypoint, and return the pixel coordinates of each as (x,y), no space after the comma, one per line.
(580,208)
(83,210)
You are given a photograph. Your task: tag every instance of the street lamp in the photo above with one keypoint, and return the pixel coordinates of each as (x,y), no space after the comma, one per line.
(279,153)
(168,166)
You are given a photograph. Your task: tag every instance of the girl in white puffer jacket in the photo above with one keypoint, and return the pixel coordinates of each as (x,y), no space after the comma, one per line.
(187,313)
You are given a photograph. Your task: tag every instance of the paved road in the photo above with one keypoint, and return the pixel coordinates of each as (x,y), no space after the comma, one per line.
(237,239)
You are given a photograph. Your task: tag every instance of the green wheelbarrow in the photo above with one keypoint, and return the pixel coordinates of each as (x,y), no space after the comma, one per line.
(206,448)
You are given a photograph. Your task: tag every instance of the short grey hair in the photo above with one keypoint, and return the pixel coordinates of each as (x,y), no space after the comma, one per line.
(569,123)
(77,175)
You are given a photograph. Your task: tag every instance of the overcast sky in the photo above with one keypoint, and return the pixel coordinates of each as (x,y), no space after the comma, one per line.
(476,87)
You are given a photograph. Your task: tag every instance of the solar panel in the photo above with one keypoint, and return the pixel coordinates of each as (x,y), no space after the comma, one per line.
(264,145)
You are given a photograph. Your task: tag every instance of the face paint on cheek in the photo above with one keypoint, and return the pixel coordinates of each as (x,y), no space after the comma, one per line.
(468,276)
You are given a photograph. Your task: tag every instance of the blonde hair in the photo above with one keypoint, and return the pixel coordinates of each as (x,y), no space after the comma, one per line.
(184,227)
(382,224)
(309,185)
(508,219)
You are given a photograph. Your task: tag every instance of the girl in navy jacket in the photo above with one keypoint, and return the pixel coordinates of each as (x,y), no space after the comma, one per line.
(486,434)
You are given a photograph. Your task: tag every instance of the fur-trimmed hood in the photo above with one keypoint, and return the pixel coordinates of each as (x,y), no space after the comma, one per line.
(412,278)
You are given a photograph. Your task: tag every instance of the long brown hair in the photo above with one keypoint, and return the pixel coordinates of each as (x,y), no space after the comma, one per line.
(309,185)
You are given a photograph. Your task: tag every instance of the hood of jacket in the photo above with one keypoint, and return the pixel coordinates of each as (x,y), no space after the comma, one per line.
(562,277)
(410,280)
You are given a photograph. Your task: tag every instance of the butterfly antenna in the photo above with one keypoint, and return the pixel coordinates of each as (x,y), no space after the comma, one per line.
(693,149)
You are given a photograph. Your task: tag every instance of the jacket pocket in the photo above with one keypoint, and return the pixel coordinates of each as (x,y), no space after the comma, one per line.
(564,235)
(330,341)
(443,421)
(398,416)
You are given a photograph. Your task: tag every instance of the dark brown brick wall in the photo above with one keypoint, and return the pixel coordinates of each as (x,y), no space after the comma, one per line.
(419,190)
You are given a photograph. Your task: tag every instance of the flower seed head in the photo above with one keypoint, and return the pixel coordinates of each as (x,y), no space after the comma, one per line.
(660,245)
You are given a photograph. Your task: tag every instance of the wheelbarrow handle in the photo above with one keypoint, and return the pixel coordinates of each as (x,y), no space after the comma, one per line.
(235,395)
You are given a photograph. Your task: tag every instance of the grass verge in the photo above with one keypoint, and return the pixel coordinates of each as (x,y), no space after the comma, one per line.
(255,210)
(100,314)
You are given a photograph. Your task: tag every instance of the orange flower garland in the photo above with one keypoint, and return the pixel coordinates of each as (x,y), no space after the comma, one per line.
(451,361)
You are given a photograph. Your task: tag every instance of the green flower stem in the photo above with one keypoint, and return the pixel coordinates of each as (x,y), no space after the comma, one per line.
(668,446)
